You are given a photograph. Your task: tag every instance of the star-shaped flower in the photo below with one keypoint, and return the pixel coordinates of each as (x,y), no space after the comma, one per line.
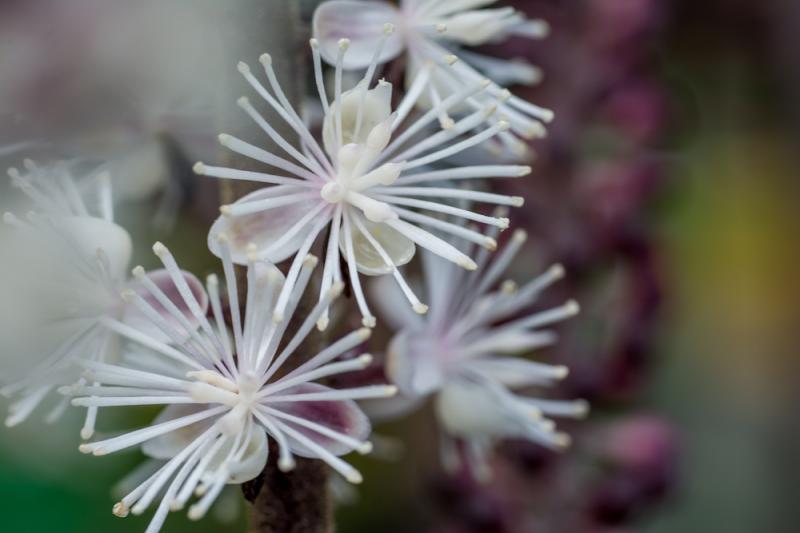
(434,33)
(65,266)
(365,185)
(232,391)
(463,357)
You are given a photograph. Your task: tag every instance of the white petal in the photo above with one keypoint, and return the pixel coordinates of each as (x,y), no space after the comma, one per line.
(470,409)
(93,234)
(377,109)
(170,444)
(400,248)
(414,363)
(362,23)
(254,459)
(260,230)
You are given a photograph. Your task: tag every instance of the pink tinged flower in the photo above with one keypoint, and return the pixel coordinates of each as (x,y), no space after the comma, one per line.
(465,356)
(366,184)
(227,392)
(71,264)
(432,35)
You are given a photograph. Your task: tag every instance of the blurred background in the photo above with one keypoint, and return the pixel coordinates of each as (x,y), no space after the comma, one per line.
(669,187)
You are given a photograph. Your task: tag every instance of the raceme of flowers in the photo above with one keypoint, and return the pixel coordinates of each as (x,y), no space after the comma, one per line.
(464,355)
(230,391)
(234,375)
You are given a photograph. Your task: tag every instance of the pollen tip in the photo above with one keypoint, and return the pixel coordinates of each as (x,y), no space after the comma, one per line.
(313,42)
(572,307)
(310,261)
(365,359)
(87,433)
(159,249)
(199,168)
(562,440)
(286,464)
(365,448)
(127,295)
(582,408)
(420,308)
(223,139)
(517,201)
(468,264)
(520,236)
(212,280)
(505,95)
(265,59)
(225,210)
(557,271)
(366,332)
(388,28)
(391,390)
(447,123)
(85,448)
(195,513)
(323,323)
(243,101)
(490,244)
(278,317)
(509,287)
(336,289)
(344,44)
(243,67)
(138,271)
(561,372)
(120,510)
(548,115)
(355,478)
(451,59)
(503,223)
(441,28)
(369,322)
(176,505)
(525,171)
(13,172)
(503,125)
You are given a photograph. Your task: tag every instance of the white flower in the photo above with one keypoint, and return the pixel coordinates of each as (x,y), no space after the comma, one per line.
(365,187)
(462,355)
(433,32)
(232,392)
(66,268)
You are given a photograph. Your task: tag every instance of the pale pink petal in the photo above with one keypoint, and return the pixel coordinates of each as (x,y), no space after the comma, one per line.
(362,23)
(133,317)
(342,416)
(400,248)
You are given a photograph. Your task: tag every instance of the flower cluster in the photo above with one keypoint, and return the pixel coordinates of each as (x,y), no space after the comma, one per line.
(229,363)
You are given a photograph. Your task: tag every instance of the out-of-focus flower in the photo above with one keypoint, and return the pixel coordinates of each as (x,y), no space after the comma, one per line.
(66,263)
(462,356)
(228,397)
(366,184)
(431,36)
